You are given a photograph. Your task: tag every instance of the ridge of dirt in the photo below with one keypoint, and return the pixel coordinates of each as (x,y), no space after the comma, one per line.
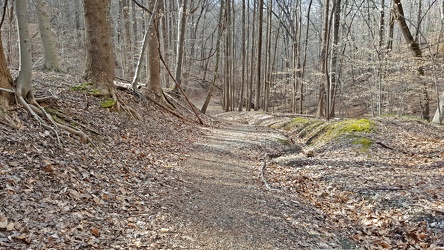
(389,195)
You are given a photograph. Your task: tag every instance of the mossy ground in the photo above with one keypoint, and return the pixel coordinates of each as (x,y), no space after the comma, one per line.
(315,131)
(108,103)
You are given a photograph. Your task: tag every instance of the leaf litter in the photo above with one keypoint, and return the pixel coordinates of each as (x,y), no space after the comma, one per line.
(116,192)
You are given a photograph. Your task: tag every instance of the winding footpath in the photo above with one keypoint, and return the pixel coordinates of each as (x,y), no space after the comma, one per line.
(225,205)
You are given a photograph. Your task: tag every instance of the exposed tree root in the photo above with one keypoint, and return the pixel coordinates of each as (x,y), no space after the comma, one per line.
(264,180)
(7,120)
(129,110)
(167,109)
(7,90)
(60,115)
(38,112)
(180,88)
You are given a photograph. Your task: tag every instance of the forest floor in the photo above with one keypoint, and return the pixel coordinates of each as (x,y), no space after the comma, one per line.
(160,182)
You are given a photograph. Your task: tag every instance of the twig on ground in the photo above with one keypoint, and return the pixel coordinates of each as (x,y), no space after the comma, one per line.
(264,180)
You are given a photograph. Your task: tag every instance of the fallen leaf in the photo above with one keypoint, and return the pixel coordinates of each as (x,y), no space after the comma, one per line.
(95,231)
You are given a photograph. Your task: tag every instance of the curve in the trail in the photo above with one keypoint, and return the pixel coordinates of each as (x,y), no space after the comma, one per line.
(229,208)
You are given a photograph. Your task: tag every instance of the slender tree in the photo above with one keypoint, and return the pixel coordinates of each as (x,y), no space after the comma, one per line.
(259,55)
(23,81)
(220,30)
(334,71)
(154,84)
(268,58)
(243,55)
(50,59)
(417,53)
(180,43)
(322,94)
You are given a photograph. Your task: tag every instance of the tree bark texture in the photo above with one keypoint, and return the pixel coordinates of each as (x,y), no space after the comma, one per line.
(50,59)
(321,101)
(100,58)
(154,85)
(23,81)
(6,98)
(180,43)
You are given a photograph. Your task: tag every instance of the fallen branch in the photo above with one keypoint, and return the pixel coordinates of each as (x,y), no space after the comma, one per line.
(180,88)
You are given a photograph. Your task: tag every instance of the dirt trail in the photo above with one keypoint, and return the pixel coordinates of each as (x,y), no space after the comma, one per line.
(225,205)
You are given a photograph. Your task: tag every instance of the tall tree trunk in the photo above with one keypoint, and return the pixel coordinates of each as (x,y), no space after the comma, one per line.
(417,53)
(439,113)
(227,79)
(334,60)
(259,55)
(216,68)
(180,43)
(301,92)
(250,82)
(166,43)
(23,81)
(128,39)
(99,48)
(268,58)
(391,29)
(139,66)
(321,101)
(154,85)
(381,55)
(6,98)
(50,59)
(241,95)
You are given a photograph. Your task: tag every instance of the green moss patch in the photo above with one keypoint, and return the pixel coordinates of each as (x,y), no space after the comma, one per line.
(364,142)
(83,86)
(315,131)
(108,103)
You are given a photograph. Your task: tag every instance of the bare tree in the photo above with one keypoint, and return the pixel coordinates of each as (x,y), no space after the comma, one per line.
(100,59)
(154,85)
(417,53)
(323,61)
(23,81)
(268,58)
(220,30)
(50,59)
(243,55)
(259,55)
(180,43)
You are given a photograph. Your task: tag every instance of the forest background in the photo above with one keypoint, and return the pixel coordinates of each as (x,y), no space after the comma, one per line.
(331,58)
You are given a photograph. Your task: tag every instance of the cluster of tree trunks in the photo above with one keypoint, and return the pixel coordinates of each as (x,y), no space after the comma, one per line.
(253,81)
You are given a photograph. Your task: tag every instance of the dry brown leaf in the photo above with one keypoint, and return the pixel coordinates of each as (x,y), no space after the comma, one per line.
(132,225)
(95,231)
(48,168)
